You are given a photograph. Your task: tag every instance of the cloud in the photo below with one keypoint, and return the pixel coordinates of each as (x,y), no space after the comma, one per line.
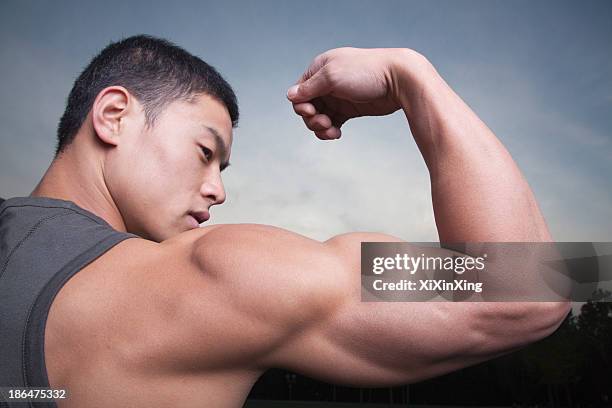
(374,179)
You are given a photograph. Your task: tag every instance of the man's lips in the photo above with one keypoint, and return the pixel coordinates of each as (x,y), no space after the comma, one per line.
(200,216)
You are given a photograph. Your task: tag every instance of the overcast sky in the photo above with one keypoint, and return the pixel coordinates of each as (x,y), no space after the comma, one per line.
(538,73)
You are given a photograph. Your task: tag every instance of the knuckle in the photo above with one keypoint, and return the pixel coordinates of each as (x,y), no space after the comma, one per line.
(318,60)
(320,135)
(309,123)
(307,74)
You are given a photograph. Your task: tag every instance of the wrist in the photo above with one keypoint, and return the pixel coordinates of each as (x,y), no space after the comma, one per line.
(411,75)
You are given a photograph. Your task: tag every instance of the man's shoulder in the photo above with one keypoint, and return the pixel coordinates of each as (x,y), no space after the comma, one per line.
(158,283)
(142,253)
(162,305)
(128,307)
(135,258)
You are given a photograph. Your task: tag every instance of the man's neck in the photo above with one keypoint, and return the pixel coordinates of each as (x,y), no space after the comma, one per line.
(83,184)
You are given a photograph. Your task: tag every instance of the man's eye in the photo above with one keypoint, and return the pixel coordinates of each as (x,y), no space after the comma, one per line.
(207,153)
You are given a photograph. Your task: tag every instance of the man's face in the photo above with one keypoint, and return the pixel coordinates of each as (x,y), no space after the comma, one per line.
(165,178)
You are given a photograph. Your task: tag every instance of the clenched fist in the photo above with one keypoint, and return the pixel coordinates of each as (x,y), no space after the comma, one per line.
(345,83)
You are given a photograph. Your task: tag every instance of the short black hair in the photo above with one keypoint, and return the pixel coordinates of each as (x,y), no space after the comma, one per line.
(155,71)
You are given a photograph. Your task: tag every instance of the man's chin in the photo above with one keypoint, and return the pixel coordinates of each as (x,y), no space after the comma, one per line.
(157,235)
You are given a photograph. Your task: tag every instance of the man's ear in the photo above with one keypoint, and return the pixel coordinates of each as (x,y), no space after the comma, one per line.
(107,112)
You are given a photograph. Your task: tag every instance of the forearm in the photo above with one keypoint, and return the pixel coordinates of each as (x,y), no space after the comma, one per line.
(478,192)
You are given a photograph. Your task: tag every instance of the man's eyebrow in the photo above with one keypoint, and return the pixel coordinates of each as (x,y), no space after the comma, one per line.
(220,146)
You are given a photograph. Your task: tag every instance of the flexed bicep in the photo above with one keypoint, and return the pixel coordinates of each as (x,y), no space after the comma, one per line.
(388,343)
(295,303)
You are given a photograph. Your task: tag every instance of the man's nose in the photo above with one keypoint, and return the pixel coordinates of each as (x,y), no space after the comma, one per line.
(214,190)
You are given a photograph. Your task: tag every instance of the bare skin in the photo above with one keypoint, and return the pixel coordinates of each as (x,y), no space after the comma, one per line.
(193,316)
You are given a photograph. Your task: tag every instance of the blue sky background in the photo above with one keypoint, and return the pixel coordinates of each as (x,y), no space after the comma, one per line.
(538,73)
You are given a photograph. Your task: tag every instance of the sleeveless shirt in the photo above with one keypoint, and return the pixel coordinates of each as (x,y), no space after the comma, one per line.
(43,243)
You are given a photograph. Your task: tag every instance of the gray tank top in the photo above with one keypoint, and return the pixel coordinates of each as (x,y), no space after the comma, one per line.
(43,243)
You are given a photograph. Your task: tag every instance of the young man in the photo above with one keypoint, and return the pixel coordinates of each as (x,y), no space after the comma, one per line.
(112,292)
